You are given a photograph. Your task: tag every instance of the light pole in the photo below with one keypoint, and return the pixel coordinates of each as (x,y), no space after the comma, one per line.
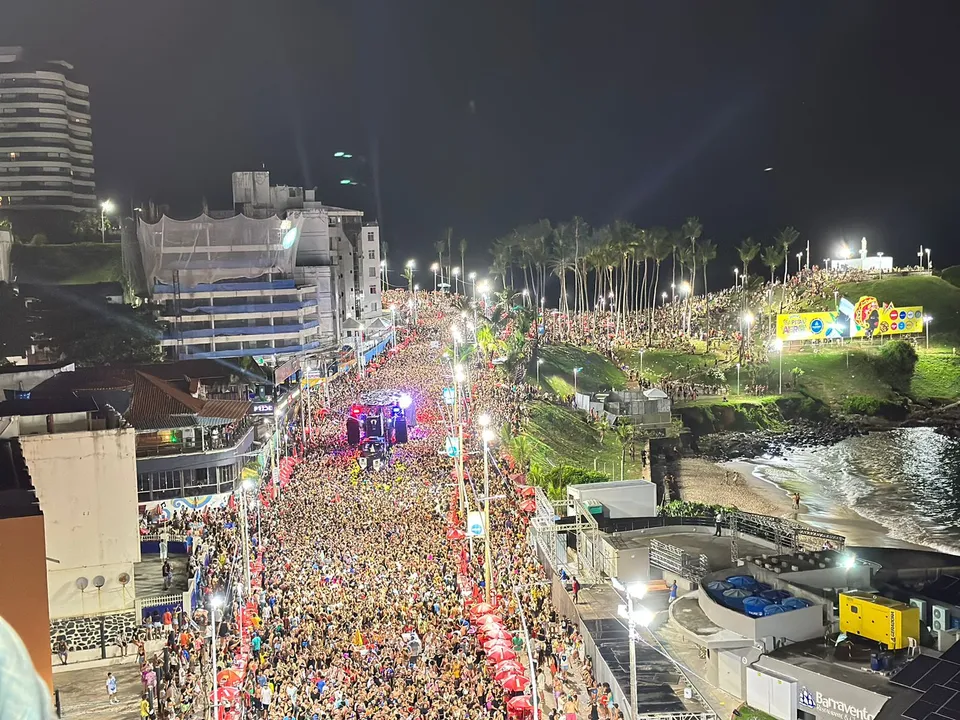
(799,262)
(778,344)
(393,318)
(748,321)
(927,319)
(539,363)
(456,278)
(384,283)
(641,616)
(927,251)
(215,604)
(641,363)
(246,486)
(105,207)
(359,345)
(736,278)
(663,298)
(487,436)
(576,371)
(434,269)
(880,267)
(738,378)
(473,285)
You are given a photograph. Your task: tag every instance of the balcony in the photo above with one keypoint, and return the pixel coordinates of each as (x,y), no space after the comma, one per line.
(202,440)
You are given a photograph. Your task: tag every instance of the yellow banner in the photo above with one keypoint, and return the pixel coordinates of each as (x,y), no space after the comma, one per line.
(866,319)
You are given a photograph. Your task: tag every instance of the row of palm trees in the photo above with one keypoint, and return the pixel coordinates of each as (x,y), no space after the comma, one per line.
(625,261)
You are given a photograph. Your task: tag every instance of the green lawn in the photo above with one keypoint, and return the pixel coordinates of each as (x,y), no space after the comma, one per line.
(75,264)
(937,376)
(556,370)
(561,435)
(658,364)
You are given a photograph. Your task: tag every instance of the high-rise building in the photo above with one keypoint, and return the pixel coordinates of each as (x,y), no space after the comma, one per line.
(46,147)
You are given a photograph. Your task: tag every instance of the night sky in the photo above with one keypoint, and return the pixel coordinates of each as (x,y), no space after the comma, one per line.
(488,114)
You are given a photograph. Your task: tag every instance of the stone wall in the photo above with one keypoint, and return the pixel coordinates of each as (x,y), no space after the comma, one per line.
(83,633)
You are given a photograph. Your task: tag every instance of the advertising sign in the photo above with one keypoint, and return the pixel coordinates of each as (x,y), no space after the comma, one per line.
(262,408)
(453,446)
(866,319)
(449,396)
(475,523)
(287,370)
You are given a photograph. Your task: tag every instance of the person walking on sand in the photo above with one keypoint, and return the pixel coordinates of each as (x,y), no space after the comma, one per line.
(112,688)
(571,708)
(796,501)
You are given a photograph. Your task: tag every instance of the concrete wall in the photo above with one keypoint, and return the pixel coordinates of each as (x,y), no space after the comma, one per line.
(626,499)
(87,486)
(24,605)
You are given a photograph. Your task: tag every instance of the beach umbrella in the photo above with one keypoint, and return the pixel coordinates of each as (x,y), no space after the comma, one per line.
(481,609)
(518,479)
(513,666)
(455,534)
(527,490)
(515,683)
(490,645)
(500,654)
(227,694)
(520,704)
(228,677)
(497,633)
(489,619)
(501,675)
(529,506)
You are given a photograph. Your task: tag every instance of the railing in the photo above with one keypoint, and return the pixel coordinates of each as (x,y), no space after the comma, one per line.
(173,601)
(224,441)
(678,716)
(676,560)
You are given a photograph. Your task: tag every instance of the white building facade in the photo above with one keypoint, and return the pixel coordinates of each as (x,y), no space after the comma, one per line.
(46,144)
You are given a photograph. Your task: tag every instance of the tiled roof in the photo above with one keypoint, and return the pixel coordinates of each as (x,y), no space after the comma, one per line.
(158,405)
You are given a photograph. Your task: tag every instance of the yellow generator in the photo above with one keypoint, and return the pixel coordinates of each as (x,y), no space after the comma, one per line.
(881,619)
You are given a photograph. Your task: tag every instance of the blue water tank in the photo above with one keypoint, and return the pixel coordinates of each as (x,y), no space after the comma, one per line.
(774,609)
(795,603)
(761,586)
(715,588)
(743,581)
(753,606)
(734,597)
(775,596)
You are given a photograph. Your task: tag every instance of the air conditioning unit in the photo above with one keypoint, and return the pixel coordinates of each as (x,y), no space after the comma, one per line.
(922,604)
(941,618)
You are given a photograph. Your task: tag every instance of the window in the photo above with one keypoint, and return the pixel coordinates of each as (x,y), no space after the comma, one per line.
(373,289)
(371,255)
(372,272)
(369,237)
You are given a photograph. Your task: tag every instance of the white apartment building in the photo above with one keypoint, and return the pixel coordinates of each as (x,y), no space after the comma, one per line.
(281,275)
(46,146)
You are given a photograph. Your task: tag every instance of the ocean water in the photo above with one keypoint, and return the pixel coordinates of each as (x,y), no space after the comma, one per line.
(906,480)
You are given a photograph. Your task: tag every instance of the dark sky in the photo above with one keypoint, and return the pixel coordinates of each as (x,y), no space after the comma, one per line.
(492,113)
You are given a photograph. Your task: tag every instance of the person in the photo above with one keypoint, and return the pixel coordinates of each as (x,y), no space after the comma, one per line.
(62,650)
(112,688)
(719,523)
(23,694)
(571,708)
(673,591)
(144,708)
(576,590)
(164,544)
(796,501)
(121,642)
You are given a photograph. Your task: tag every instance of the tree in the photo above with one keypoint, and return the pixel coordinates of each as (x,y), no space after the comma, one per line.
(896,363)
(440,245)
(561,260)
(772,257)
(796,373)
(86,227)
(692,229)
(463,267)
(522,450)
(661,247)
(785,238)
(14,328)
(748,251)
(708,252)
(101,334)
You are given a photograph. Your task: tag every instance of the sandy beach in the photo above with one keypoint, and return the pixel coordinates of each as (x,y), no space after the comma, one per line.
(735,483)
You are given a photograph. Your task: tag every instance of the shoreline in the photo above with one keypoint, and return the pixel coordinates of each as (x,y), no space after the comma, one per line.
(737,483)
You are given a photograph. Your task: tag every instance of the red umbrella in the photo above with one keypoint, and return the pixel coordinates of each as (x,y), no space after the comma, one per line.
(481,609)
(455,534)
(500,654)
(489,619)
(498,633)
(509,666)
(518,479)
(490,645)
(228,694)
(515,683)
(228,677)
(529,506)
(527,490)
(520,704)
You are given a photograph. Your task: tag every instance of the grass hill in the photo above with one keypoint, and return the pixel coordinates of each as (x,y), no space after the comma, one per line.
(556,370)
(951,275)
(74,264)
(939,298)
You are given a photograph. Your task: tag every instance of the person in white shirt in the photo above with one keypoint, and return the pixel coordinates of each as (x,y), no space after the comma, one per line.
(23,694)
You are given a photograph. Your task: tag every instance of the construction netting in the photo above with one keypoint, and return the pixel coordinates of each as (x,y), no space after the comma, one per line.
(207,250)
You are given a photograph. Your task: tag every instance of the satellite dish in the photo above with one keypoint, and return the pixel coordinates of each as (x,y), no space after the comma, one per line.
(99,582)
(123,578)
(82,583)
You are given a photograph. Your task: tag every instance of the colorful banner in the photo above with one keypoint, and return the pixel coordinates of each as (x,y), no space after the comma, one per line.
(867,319)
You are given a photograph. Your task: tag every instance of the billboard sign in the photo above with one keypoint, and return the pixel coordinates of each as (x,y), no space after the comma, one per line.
(865,319)
(475,523)
(287,370)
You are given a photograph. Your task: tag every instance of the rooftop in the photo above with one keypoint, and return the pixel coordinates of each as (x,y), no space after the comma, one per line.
(48,406)
(158,405)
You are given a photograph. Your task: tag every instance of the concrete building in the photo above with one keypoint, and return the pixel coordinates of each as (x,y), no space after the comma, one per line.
(195,426)
(46,147)
(645,409)
(282,278)
(22,548)
(82,461)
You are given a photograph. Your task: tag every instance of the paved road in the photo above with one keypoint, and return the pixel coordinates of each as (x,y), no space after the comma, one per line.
(83,693)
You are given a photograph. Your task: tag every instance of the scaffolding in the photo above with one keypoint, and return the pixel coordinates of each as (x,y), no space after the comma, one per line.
(786,535)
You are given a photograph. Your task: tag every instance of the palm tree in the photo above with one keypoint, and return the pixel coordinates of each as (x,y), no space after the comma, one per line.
(708,253)
(561,260)
(772,257)
(785,238)
(661,247)
(463,267)
(692,230)
(748,250)
(579,231)
(450,255)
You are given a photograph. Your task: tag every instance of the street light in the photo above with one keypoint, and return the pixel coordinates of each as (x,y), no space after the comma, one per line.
(927,319)
(576,371)
(105,207)
(216,602)
(663,297)
(456,275)
(748,321)
(642,351)
(342,154)
(246,486)
(736,277)
(778,345)
(634,617)
(539,363)
(799,262)
(487,435)
(473,284)
(927,251)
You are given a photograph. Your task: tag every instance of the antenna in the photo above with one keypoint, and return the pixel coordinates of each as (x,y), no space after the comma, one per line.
(99,582)
(82,583)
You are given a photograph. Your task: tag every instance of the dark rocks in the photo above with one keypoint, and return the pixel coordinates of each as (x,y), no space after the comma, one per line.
(84,633)
(730,446)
